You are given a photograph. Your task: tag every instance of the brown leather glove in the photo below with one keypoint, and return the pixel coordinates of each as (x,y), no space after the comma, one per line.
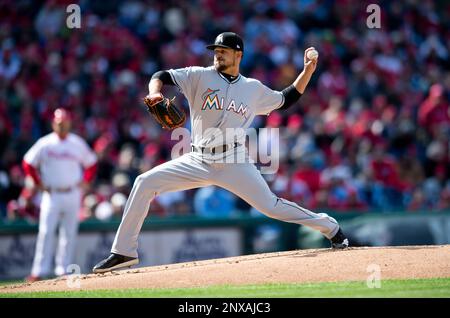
(163,109)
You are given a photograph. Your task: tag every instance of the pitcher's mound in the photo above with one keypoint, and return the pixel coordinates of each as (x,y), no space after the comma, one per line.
(300,266)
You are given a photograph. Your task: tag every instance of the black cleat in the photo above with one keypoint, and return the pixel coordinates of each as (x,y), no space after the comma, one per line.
(114,261)
(339,241)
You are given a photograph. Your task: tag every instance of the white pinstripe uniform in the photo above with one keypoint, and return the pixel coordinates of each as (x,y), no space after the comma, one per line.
(215,102)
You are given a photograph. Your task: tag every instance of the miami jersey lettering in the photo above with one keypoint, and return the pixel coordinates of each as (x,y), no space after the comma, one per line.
(211,101)
(216,102)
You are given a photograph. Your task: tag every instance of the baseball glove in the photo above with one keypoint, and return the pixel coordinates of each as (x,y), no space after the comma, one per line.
(166,113)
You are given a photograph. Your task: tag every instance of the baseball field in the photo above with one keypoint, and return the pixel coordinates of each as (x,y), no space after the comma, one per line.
(403,271)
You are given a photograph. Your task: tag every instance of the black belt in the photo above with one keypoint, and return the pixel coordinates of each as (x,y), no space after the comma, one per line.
(214,150)
(62,190)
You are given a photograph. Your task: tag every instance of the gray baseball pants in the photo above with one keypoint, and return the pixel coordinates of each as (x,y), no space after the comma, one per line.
(190,171)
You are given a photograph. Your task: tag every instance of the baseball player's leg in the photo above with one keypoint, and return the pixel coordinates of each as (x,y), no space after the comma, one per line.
(183,173)
(245,181)
(48,221)
(68,230)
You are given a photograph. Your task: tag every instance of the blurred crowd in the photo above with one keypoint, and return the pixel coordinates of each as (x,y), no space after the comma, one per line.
(372,131)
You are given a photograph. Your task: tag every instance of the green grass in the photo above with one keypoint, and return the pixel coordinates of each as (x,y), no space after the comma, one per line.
(423,288)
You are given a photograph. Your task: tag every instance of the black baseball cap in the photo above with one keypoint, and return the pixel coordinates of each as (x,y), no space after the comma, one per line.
(229,40)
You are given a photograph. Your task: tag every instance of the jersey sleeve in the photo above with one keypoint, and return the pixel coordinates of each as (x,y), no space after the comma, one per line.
(33,156)
(187,79)
(88,157)
(268,99)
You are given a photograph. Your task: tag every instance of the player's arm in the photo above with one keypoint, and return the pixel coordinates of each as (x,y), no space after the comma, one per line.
(293,92)
(155,85)
(157,81)
(303,79)
(89,163)
(33,172)
(89,175)
(31,162)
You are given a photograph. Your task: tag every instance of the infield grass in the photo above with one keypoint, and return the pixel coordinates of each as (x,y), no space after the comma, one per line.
(423,288)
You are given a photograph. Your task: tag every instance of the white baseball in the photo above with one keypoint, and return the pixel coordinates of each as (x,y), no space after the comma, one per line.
(312,54)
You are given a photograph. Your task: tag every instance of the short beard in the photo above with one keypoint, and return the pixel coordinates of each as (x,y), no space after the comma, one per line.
(222,68)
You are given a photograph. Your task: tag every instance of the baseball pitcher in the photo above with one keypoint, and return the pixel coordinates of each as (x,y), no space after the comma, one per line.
(220,99)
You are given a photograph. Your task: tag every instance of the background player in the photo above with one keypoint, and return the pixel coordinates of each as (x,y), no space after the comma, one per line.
(219,97)
(56,162)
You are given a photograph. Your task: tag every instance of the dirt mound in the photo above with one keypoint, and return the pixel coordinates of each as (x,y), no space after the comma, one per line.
(300,266)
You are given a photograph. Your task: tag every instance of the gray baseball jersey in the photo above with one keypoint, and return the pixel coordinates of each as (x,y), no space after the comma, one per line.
(216,103)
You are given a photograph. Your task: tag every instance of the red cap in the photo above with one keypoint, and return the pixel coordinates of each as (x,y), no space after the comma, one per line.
(60,115)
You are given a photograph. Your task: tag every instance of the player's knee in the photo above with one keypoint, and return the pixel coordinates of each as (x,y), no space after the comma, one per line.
(142,180)
(146,181)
